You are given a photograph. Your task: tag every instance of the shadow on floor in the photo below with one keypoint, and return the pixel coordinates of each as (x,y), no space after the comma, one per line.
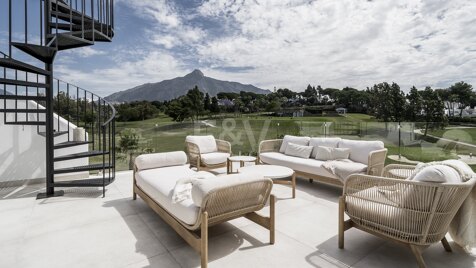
(365,250)
(164,234)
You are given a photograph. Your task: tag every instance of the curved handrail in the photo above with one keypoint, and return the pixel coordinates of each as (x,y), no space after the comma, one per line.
(99,99)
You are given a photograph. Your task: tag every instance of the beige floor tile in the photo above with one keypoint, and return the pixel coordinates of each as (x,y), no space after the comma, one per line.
(113,243)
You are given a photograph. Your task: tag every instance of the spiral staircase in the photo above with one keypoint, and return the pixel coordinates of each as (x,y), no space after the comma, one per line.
(31,96)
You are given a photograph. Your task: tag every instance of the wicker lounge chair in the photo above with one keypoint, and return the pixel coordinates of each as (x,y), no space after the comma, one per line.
(220,198)
(416,214)
(206,152)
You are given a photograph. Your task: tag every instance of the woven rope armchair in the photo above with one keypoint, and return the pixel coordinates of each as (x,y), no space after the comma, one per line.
(194,156)
(416,214)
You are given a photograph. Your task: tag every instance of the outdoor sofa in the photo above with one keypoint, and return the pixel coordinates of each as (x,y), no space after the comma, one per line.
(368,156)
(213,199)
(414,208)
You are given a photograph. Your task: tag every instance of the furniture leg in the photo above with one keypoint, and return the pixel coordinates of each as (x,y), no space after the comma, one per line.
(293,179)
(134,195)
(204,240)
(272,211)
(341,222)
(419,258)
(311,180)
(228,166)
(446,245)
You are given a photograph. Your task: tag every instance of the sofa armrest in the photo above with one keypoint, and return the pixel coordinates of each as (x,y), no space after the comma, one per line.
(398,171)
(233,196)
(158,160)
(376,162)
(269,146)
(223,146)
(193,153)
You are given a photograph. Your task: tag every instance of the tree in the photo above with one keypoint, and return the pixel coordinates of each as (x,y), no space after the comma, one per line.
(195,101)
(214,108)
(310,93)
(206,102)
(128,144)
(387,102)
(461,92)
(433,109)
(413,107)
(179,109)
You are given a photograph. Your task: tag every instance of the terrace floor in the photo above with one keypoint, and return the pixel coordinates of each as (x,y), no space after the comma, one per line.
(82,229)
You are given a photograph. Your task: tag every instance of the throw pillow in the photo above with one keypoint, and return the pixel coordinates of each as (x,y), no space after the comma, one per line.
(328,153)
(340,153)
(298,150)
(293,139)
(324,153)
(438,173)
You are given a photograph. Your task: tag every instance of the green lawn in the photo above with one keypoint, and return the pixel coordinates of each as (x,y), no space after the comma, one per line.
(245,132)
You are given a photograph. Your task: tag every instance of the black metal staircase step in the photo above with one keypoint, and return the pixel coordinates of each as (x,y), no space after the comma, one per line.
(26,123)
(97,182)
(79,155)
(25,111)
(68,41)
(70,144)
(14,82)
(83,168)
(23,97)
(75,17)
(89,34)
(67,9)
(101,27)
(43,53)
(55,134)
(21,66)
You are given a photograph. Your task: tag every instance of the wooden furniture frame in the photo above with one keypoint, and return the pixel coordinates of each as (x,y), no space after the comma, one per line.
(424,213)
(375,166)
(194,157)
(229,163)
(239,203)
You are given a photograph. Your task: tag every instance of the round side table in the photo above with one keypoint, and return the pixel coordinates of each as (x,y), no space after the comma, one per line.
(242,159)
(278,174)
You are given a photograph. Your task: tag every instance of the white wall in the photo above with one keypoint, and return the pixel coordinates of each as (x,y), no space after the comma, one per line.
(23,151)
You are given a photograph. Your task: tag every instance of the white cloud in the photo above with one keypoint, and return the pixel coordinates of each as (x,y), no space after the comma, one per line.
(123,74)
(340,43)
(291,43)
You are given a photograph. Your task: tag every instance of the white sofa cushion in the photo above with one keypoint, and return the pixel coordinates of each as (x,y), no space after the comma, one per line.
(438,173)
(148,161)
(463,167)
(293,139)
(324,153)
(159,184)
(328,153)
(206,144)
(308,165)
(341,153)
(298,150)
(214,158)
(327,142)
(201,188)
(360,150)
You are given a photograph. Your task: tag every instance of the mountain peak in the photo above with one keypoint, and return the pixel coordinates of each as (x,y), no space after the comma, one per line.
(196,73)
(176,87)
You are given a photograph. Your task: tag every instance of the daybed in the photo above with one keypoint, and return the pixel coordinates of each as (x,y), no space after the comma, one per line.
(206,152)
(415,212)
(367,156)
(213,199)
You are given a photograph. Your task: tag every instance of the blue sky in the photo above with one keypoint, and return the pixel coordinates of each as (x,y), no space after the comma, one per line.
(286,43)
